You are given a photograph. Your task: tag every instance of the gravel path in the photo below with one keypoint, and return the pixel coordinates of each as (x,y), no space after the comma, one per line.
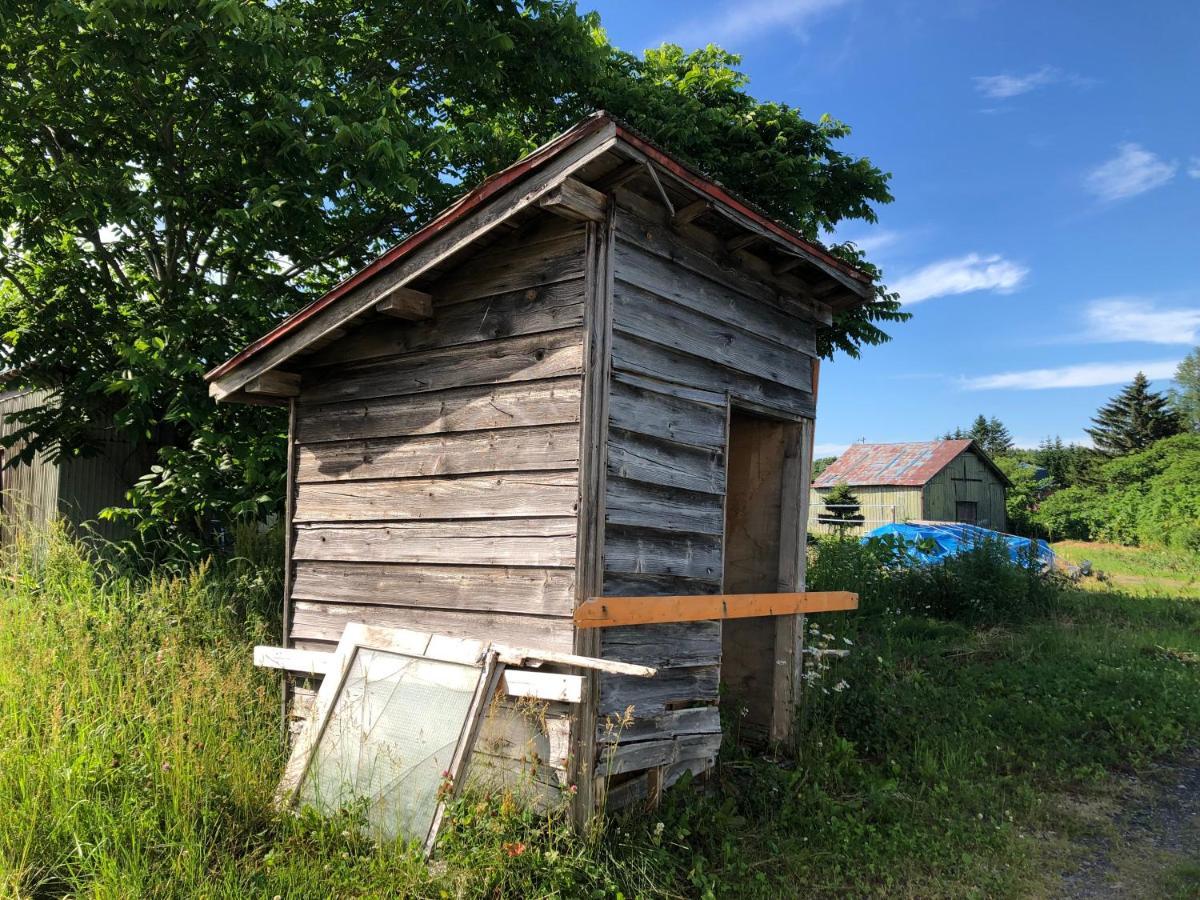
(1152,848)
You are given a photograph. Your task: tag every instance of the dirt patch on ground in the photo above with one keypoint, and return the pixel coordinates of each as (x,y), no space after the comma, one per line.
(1145,838)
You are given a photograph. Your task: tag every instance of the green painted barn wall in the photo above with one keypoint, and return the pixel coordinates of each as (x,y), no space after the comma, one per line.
(880,505)
(967,478)
(33,494)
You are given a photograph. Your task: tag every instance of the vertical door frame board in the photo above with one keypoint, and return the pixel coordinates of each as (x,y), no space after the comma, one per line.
(289,509)
(593,466)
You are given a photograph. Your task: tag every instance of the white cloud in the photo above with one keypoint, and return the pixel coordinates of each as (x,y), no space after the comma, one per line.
(1133,319)
(1134,170)
(741,21)
(1193,169)
(869,242)
(961,275)
(1001,87)
(1083,375)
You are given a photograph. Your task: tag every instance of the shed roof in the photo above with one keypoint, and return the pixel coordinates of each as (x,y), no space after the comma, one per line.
(910,464)
(565,154)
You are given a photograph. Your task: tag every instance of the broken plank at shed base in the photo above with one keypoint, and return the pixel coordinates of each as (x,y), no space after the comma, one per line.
(609,612)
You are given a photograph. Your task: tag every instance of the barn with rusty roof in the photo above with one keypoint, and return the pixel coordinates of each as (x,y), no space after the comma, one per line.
(942,481)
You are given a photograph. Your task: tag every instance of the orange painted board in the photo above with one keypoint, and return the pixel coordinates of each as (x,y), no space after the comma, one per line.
(607,612)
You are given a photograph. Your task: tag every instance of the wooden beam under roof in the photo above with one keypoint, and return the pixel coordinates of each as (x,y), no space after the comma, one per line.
(405,303)
(574,200)
(274,384)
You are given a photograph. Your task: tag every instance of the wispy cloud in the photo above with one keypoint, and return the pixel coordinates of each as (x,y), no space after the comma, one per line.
(1193,169)
(1083,375)
(961,275)
(1001,87)
(869,242)
(1134,170)
(1134,319)
(741,21)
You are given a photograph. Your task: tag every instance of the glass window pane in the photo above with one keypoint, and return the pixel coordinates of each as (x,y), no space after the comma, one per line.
(391,734)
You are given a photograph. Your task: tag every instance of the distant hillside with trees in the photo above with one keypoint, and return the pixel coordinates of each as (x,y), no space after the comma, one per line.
(1139,484)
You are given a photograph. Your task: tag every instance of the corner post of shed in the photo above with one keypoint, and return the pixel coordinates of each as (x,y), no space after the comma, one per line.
(593,455)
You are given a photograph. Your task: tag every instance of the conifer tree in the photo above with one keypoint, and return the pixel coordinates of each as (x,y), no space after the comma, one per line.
(1133,420)
(842,508)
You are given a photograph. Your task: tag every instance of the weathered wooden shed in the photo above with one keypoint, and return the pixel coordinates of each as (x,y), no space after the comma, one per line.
(943,481)
(593,376)
(72,489)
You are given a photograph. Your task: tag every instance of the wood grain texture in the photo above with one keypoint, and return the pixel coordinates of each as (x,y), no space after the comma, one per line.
(636,356)
(649,697)
(699,720)
(665,646)
(540,591)
(509,314)
(639,504)
(326,621)
(640,409)
(643,551)
(552,402)
(484,542)
(642,268)
(505,360)
(606,612)
(651,318)
(642,457)
(465,453)
(460,497)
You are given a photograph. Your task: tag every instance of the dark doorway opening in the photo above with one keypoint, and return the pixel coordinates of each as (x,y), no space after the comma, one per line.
(763,554)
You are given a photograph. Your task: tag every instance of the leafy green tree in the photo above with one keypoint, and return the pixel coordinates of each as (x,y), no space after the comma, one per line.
(1022,498)
(1185,396)
(1133,420)
(176,176)
(821,463)
(842,507)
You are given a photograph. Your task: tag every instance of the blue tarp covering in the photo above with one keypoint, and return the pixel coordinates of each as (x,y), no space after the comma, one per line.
(942,539)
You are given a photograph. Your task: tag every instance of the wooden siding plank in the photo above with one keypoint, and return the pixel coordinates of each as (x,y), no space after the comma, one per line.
(669,689)
(639,266)
(633,355)
(699,720)
(526,311)
(326,621)
(459,497)
(705,254)
(645,505)
(659,321)
(507,360)
(478,408)
(636,408)
(537,591)
(484,542)
(649,552)
(497,271)
(624,584)
(643,457)
(463,453)
(665,646)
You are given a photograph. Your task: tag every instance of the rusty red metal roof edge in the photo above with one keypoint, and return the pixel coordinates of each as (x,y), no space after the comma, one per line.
(913,471)
(504,179)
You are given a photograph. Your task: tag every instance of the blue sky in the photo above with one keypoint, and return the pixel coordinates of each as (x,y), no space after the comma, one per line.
(1046,168)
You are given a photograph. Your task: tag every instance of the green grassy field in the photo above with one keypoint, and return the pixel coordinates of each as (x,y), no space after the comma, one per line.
(139,749)
(1136,570)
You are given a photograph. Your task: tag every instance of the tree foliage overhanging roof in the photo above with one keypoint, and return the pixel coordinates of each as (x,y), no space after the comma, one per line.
(177,176)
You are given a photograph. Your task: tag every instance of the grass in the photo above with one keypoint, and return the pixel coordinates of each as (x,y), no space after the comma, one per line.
(139,749)
(1136,570)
